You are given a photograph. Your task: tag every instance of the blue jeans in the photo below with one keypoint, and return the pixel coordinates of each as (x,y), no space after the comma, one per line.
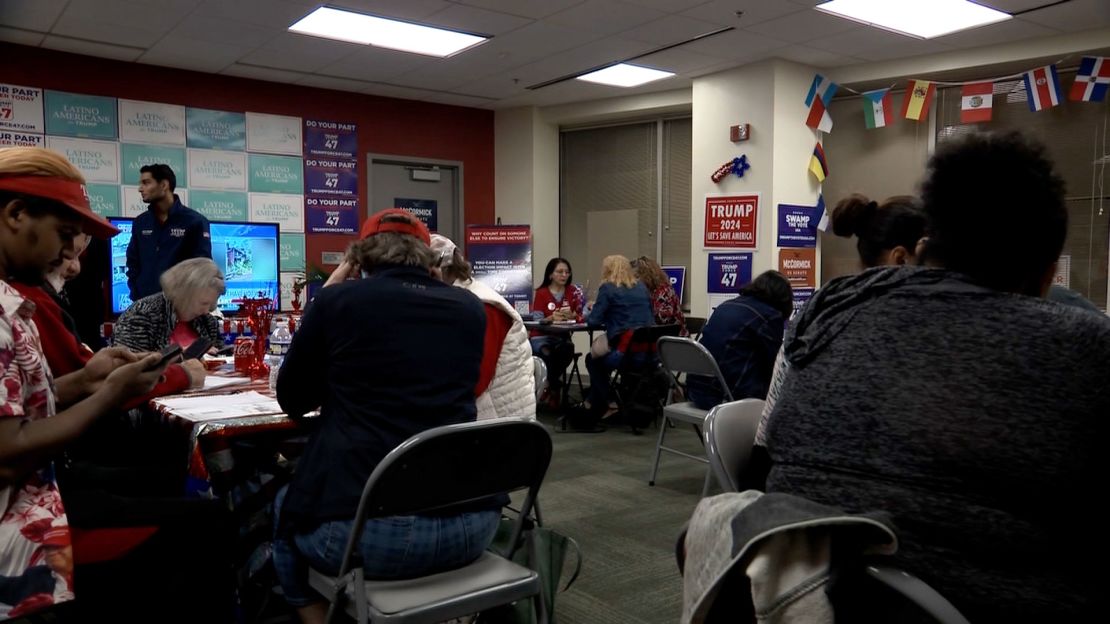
(557,353)
(600,369)
(390,548)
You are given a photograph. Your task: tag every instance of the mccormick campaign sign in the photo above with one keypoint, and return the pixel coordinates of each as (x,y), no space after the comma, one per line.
(732,221)
(427,210)
(501,256)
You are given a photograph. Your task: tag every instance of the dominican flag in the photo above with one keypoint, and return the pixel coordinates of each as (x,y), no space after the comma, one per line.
(1042,86)
(820,94)
(823,224)
(817,165)
(976,102)
(878,108)
(1092,80)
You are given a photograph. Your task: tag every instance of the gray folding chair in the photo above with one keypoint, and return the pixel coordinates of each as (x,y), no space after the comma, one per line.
(539,371)
(729,437)
(437,469)
(683,355)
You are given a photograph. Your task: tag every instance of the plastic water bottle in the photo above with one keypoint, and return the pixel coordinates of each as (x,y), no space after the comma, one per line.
(279,346)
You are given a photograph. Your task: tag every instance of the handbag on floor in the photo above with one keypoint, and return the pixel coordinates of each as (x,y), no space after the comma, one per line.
(544,551)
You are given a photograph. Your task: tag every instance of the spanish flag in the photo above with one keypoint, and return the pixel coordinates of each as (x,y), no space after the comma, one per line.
(919,95)
(817,165)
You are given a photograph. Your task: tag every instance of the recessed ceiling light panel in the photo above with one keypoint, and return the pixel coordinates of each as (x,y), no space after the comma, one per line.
(381,32)
(924,19)
(625,75)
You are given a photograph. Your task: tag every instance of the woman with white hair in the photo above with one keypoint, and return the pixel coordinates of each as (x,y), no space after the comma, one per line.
(506,383)
(179,314)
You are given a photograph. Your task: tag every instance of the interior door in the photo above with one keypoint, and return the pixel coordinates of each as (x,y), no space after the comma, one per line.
(429,191)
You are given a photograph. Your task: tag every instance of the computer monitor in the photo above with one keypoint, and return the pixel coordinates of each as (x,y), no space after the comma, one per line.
(246,253)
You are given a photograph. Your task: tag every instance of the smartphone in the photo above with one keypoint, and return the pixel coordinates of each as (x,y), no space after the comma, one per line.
(196,350)
(169,355)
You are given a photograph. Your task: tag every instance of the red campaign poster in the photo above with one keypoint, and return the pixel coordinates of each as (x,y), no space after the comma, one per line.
(731,221)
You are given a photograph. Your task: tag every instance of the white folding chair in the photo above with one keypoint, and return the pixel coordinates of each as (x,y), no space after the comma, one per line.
(729,437)
(539,371)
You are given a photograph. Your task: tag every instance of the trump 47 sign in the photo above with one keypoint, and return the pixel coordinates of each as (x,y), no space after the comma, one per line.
(731,221)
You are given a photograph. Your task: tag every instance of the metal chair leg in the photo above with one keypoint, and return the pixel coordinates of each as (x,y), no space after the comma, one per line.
(658,450)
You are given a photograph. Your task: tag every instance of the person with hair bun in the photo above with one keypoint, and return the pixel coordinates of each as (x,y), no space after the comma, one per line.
(886,234)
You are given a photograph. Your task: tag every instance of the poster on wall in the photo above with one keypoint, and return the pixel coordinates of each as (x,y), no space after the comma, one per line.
(21,139)
(330,177)
(132,204)
(151,122)
(82,116)
(330,139)
(276,174)
(135,157)
(220,205)
(797,226)
(286,281)
(501,256)
(97,160)
(219,170)
(732,221)
(799,266)
(213,129)
(427,210)
(331,215)
(104,199)
(291,252)
(285,210)
(274,134)
(801,298)
(727,273)
(677,275)
(21,109)
(1063,272)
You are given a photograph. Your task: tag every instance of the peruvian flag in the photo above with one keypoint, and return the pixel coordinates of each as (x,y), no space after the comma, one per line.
(1042,85)
(976,101)
(1092,80)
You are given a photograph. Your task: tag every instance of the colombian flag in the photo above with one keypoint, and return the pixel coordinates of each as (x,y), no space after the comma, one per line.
(917,99)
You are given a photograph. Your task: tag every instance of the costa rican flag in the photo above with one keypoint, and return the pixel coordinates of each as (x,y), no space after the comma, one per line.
(1042,85)
(1092,80)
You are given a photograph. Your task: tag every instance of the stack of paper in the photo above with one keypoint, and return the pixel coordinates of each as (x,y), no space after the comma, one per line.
(219,407)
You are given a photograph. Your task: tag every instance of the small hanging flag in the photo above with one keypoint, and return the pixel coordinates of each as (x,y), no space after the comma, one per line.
(817,165)
(823,224)
(1042,85)
(976,102)
(1092,80)
(878,110)
(820,94)
(919,95)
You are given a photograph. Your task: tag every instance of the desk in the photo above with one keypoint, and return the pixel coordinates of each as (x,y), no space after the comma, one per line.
(566,330)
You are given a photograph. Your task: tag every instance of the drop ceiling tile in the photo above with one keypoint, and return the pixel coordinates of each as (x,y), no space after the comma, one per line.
(735,44)
(534,9)
(669,29)
(328,82)
(669,6)
(158,15)
(498,87)
(1002,32)
(109,32)
(909,47)
(300,52)
(92,48)
(205,56)
(408,10)
(375,64)
(456,99)
(803,26)
(475,20)
(814,57)
(853,42)
(262,73)
(604,17)
(582,58)
(1073,16)
(680,60)
(267,13)
(219,30)
(22,37)
(723,12)
(37,15)
(713,69)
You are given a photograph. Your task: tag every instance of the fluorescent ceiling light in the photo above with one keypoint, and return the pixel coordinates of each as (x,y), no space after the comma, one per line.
(924,19)
(384,33)
(625,75)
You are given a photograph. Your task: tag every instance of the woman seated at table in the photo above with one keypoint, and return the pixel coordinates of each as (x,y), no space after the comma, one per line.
(557,299)
(622,305)
(665,304)
(180,314)
(384,358)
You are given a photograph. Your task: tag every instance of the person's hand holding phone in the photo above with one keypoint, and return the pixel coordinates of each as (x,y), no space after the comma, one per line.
(136,378)
(103,363)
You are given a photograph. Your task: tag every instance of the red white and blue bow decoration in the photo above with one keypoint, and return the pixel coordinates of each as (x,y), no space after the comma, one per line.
(735,166)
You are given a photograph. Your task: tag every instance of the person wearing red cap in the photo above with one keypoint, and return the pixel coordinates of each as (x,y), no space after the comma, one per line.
(384,358)
(43,208)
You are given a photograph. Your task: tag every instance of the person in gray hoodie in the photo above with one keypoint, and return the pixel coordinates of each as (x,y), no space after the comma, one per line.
(956,398)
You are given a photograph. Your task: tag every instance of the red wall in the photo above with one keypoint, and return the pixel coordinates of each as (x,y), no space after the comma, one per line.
(385,125)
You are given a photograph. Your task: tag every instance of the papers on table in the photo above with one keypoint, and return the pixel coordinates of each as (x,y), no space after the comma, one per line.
(218,407)
(214,381)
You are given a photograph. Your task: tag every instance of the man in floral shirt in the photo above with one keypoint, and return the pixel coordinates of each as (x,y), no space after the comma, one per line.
(43,207)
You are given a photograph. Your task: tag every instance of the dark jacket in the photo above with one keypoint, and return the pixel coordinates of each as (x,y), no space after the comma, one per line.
(155,246)
(977,418)
(619,308)
(384,358)
(149,323)
(744,335)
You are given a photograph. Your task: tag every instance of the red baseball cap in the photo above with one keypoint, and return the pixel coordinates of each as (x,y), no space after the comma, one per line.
(69,193)
(411,225)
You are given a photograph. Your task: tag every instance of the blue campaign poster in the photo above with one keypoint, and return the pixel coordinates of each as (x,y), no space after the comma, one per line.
(797,226)
(501,257)
(427,210)
(330,139)
(801,297)
(677,275)
(729,271)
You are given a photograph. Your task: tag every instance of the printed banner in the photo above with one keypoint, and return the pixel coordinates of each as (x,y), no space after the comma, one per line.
(291,252)
(132,204)
(135,157)
(286,281)
(501,256)
(217,170)
(104,199)
(97,160)
(1063,272)
(151,122)
(799,266)
(274,134)
(84,116)
(427,210)
(797,226)
(285,210)
(276,174)
(677,275)
(331,215)
(21,139)
(220,205)
(801,298)
(732,221)
(330,139)
(213,129)
(21,109)
(333,178)
(728,272)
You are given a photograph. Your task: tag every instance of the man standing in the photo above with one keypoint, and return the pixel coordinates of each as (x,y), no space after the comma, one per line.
(167,233)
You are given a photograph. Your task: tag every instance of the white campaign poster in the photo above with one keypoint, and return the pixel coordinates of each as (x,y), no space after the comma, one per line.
(287,280)
(716,299)
(21,109)
(132,205)
(9,138)
(285,210)
(151,122)
(1063,272)
(97,160)
(217,170)
(274,134)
